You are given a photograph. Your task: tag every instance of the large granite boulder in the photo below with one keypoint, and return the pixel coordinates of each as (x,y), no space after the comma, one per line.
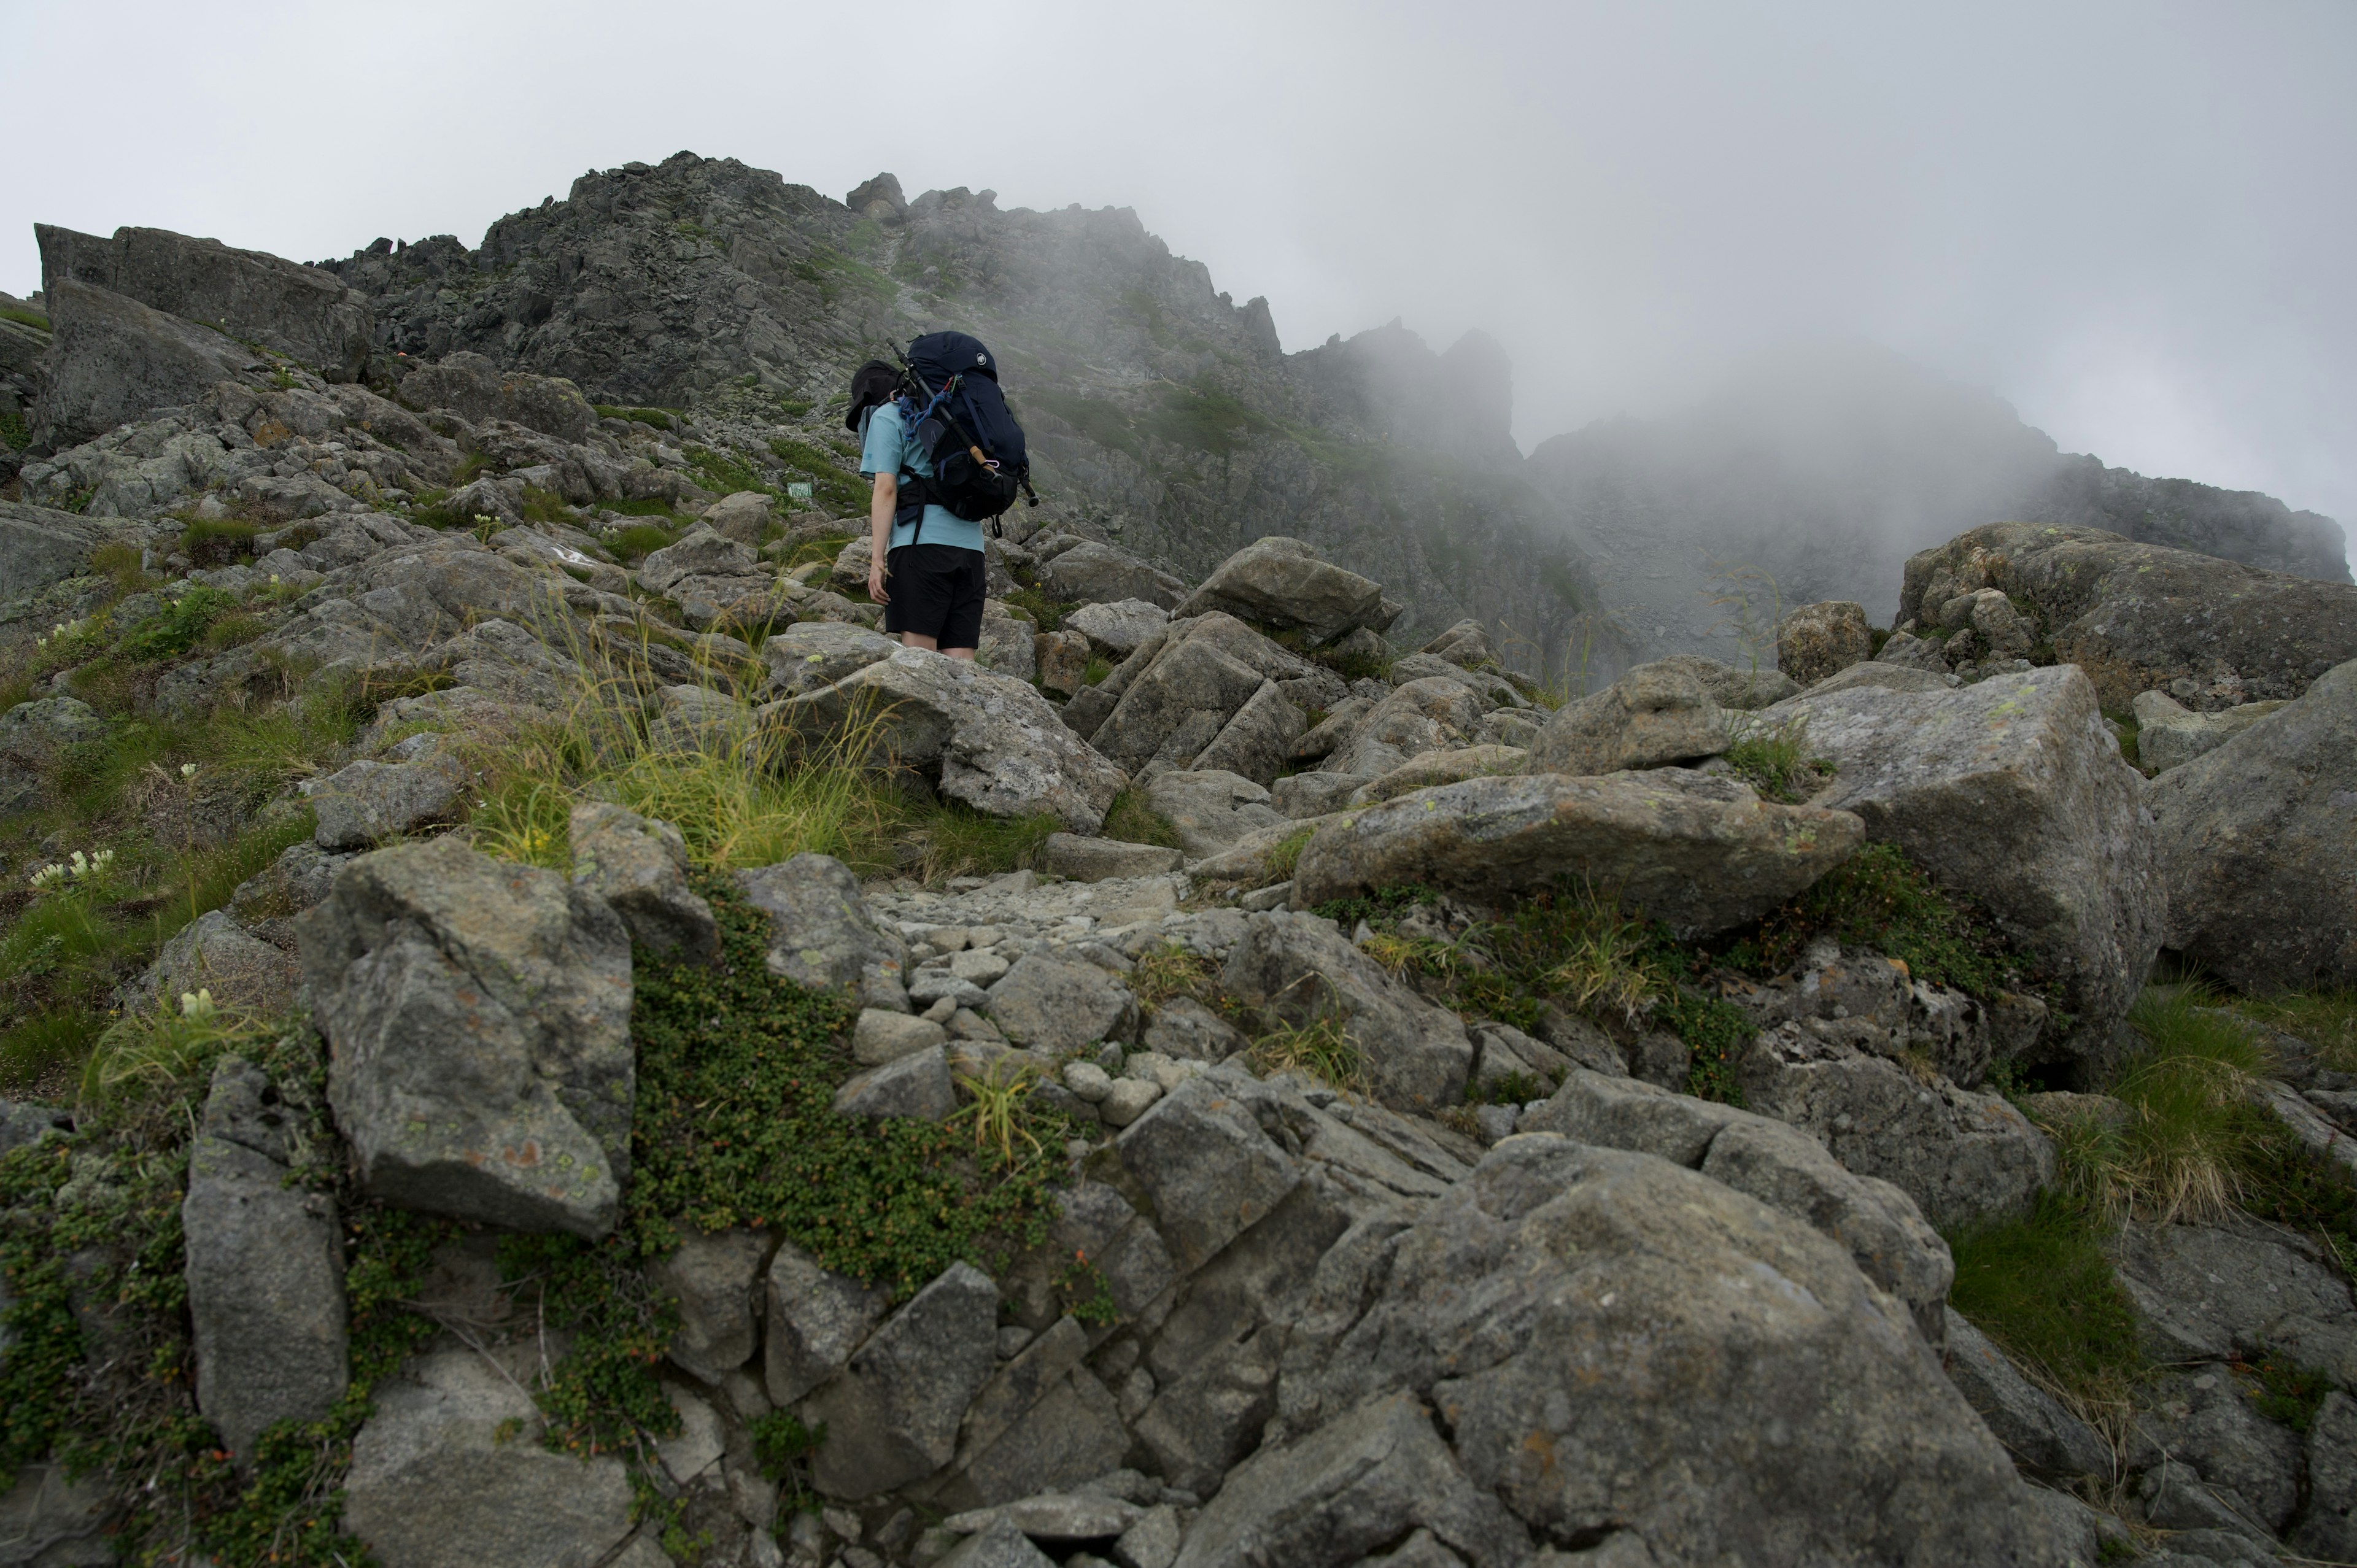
(1116,629)
(477,1018)
(1285,583)
(812,654)
(1741,687)
(822,934)
(1429,714)
(1701,853)
(640,869)
(2170,735)
(1595,1336)
(892,1413)
(1821,639)
(114,360)
(1212,810)
(1095,573)
(39,547)
(477,390)
(2259,846)
(1781,1165)
(2012,791)
(265,1268)
(2136,617)
(1205,692)
(213,953)
(1654,714)
(449,1473)
(300,311)
(996,743)
(1300,970)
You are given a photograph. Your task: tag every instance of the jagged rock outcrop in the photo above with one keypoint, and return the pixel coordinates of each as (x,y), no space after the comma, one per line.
(2135,617)
(2259,846)
(478,1017)
(2012,791)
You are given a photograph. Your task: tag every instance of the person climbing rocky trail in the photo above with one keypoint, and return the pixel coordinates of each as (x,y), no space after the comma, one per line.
(539,1034)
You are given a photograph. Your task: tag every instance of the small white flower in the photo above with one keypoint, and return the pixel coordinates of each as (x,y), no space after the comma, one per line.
(274,577)
(48,877)
(188,770)
(197,1004)
(102,860)
(81,863)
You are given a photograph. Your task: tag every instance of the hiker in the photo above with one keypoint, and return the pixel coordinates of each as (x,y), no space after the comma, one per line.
(924,530)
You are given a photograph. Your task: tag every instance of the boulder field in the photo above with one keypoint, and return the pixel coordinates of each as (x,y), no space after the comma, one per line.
(1395,1114)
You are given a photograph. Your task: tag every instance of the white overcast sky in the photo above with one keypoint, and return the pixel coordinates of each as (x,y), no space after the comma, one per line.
(2137,221)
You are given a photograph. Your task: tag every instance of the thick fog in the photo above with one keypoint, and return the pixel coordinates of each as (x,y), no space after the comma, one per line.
(2132,221)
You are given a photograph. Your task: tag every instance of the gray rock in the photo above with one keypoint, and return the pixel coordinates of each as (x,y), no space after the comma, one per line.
(702,551)
(640,868)
(1056,1516)
(2259,846)
(1701,852)
(1442,768)
(998,1544)
(2170,735)
(1598,1304)
(1887,676)
(50,1519)
(1819,640)
(449,1473)
(2140,617)
(2205,1416)
(2330,1530)
(1072,1434)
(882,1035)
(1739,688)
(1423,715)
(917,1086)
(2214,1293)
(1127,1100)
(1001,748)
(814,654)
(1105,574)
(2013,791)
(1654,714)
(892,1413)
(477,390)
(265,1272)
(478,1016)
(2032,1424)
(1965,1159)
(816,1319)
(744,516)
(1299,970)
(1256,738)
(1209,1169)
(22,1123)
(1211,1415)
(1306,795)
(822,933)
(1494,689)
(267,902)
(713,1279)
(1115,629)
(32,733)
(1184,1028)
(1465,644)
(369,801)
(1282,582)
(1178,704)
(1341,721)
(1153,1541)
(1779,1166)
(113,360)
(1008,645)
(210,954)
(1212,810)
(1095,860)
(1362,1481)
(1051,1005)
(39,547)
(303,312)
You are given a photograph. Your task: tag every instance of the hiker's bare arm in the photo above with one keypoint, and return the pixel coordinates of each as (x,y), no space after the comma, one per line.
(879,533)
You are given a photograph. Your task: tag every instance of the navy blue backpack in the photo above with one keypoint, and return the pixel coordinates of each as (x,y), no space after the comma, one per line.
(962,425)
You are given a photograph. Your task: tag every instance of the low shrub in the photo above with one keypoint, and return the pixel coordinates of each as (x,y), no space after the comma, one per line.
(2042,1289)
(1774,760)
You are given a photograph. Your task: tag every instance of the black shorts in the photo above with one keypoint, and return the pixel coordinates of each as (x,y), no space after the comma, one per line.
(936,591)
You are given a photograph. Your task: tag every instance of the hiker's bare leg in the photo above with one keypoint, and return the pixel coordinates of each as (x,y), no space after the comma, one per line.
(919,640)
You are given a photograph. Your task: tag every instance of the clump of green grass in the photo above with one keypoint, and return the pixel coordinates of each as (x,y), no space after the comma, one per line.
(1320,1047)
(528,820)
(658,418)
(217,541)
(1046,613)
(1880,899)
(2042,1289)
(633,544)
(831,486)
(2285,1391)
(1099,667)
(1131,821)
(959,841)
(1286,854)
(2326,1020)
(1774,760)
(179,628)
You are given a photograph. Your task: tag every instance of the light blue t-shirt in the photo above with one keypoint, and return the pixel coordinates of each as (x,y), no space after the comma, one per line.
(888,450)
